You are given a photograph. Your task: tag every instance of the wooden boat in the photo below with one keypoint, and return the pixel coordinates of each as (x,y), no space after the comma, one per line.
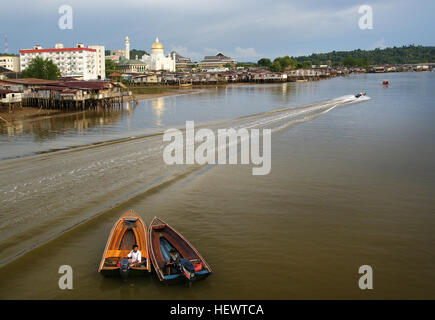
(162,239)
(127,231)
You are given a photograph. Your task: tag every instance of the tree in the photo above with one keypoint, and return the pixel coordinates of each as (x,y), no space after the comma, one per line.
(395,55)
(275,66)
(264,62)
(111,67)
(138,53)
(285,62)
(41,69)
(307,64)
(228,65)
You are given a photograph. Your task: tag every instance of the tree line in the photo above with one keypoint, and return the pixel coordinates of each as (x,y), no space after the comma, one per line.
(354,58)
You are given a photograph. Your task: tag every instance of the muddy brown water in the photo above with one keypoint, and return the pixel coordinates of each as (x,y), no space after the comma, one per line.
(350,185)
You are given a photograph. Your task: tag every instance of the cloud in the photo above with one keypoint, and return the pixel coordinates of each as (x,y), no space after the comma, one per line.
(185,52)
(240,53)
(243,29)
(211,51)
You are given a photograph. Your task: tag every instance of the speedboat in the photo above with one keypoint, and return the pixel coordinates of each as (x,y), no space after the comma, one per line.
(128,230)
(360,94)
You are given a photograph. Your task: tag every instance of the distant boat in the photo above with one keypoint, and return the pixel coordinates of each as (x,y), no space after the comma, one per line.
(385,83)
(127,231)
(165,243)
(301,80)
(185,84)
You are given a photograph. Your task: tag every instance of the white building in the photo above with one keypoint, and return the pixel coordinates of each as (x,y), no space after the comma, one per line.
(101,61)
(79,62)
(157,60)
(10,62)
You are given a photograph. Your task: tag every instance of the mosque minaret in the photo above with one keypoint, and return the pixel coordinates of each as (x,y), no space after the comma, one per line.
(127,48)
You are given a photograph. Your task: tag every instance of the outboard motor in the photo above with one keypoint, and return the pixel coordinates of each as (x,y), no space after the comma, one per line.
(124,268)
(183,265)
(187,269)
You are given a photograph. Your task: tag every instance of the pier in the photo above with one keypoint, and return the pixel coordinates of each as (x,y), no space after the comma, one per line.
(63,94)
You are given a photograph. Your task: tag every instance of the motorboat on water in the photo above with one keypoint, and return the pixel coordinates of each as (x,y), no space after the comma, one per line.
(129,230)
(173,257)
(358,95)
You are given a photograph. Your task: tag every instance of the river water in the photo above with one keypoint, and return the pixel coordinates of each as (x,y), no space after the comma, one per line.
(352,183)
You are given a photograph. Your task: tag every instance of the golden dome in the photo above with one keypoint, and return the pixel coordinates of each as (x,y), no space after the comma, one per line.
(127,39)
(157,44)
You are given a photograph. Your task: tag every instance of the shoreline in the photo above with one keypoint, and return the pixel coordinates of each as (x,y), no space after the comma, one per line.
(33,114)
(160,91)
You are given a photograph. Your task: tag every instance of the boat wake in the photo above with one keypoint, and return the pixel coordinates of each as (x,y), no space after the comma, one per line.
(45,195)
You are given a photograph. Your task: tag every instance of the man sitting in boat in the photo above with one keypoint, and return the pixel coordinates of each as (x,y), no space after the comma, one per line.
(184,266)
(134,256)
(175,258)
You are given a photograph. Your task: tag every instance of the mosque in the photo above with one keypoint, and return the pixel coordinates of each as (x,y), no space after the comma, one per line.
(155,61)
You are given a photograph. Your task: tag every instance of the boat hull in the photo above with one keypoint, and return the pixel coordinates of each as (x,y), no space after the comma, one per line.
(115,273)
(162,240)
(128,231)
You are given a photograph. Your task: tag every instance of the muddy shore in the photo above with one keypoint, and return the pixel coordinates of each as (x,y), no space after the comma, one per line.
(31,113)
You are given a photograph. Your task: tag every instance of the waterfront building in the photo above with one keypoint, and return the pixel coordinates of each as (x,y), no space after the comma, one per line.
(120,54)
(148,78)
(100,62)
(66,93)
(117,52)
(157,60)
(6,73)
(8,97)
(217,61)
(132,66)
(78,62)
(181,63)
(11,63)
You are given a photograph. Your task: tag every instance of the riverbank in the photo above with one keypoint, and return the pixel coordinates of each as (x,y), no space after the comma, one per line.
(27,113)
(31,113)
(152,92)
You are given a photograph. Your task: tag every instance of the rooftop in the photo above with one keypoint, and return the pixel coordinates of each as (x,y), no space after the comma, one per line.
(30,81)
(130,62)
(218,57)
(56,50)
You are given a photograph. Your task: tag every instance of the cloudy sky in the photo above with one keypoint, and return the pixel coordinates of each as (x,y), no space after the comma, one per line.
(243,29)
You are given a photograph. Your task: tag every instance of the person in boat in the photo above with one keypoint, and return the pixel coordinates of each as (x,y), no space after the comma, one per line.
(175,257)
(134,256)
(182,264)
(360,94)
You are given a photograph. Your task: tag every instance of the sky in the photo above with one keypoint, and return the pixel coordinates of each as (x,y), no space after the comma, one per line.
(246,30)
